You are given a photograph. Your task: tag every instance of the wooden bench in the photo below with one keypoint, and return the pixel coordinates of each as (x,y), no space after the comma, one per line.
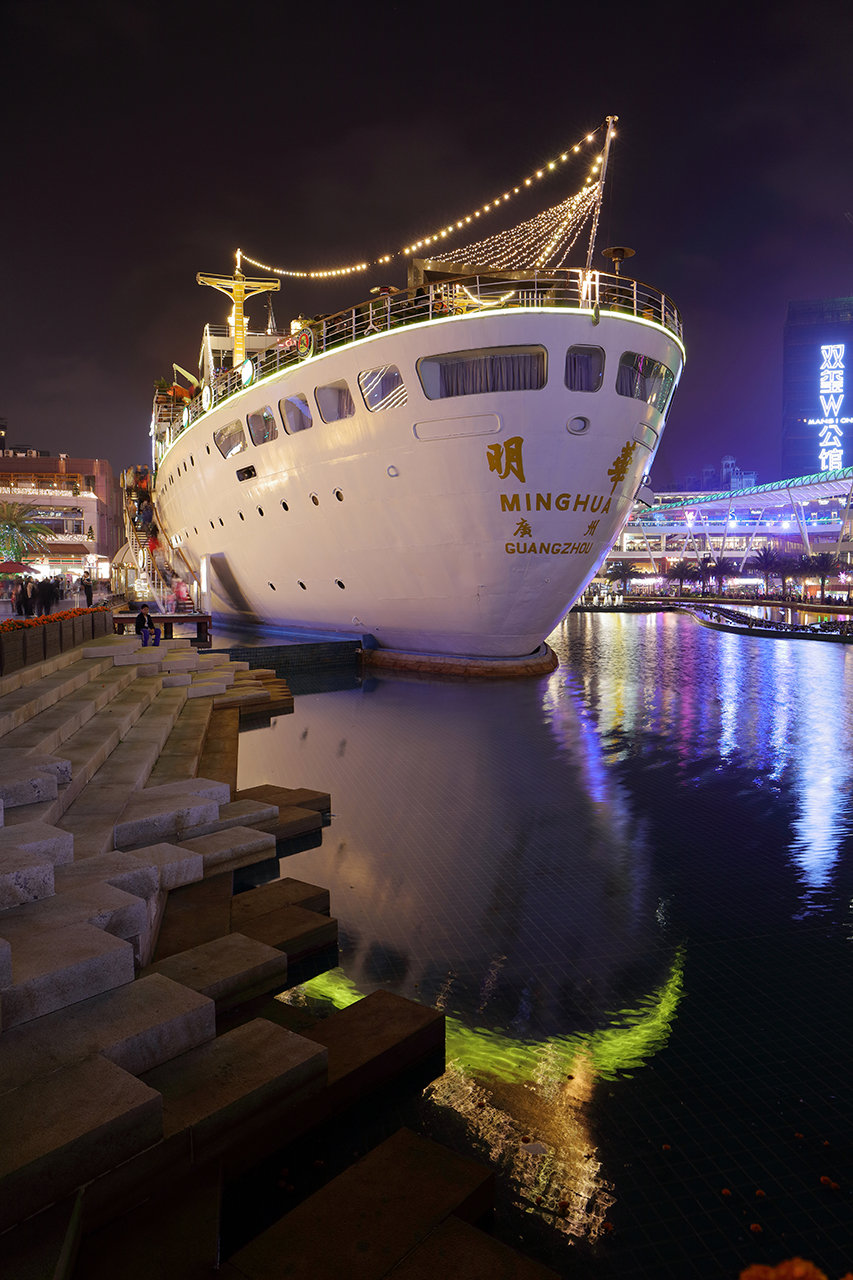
(166,622)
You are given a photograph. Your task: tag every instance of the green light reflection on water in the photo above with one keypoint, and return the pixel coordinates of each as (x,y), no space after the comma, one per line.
(630,1039)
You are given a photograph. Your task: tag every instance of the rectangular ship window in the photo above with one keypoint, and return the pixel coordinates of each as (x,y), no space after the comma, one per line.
(478,372)
(230,439)
(262,425)
(296,414)
(382,388)
(335,401)
(584,368)
(645,379)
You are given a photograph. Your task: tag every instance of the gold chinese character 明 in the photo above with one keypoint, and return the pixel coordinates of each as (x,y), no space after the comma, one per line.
(506,458)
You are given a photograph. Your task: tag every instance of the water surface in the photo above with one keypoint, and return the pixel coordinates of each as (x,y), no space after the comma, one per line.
(628,886)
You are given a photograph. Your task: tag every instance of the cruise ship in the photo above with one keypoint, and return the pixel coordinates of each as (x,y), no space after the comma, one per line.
(441,468)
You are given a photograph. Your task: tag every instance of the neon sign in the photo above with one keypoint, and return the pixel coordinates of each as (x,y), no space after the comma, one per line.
(831,391)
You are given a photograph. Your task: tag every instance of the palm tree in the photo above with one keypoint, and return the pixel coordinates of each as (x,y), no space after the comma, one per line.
(682,571)
(620,573)
(767,562)
(825,565)
(724,568)
(788,568)
(705,572)
(20,532)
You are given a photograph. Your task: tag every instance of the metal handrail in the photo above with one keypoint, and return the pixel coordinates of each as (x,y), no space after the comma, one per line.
(597,292)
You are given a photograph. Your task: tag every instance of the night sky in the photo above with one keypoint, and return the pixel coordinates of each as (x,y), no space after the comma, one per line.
(144,143)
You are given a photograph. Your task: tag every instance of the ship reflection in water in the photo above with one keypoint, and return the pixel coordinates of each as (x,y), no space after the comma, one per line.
(625,885)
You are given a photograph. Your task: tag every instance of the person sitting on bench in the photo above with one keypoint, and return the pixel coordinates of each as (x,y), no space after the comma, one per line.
(144,626)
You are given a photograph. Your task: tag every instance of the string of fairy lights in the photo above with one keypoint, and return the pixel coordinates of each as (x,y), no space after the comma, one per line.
(559,223)
(543,241)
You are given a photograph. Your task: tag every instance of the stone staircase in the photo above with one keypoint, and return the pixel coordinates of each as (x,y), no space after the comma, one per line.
(145,1064)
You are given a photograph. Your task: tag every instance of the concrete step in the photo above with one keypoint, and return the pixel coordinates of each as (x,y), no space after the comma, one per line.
(369,1219)
(286,892)
(57,967)
(90,746)
(287,797)
(297,932)
(182,751)
(47,730)
(31,691)
(154,814)
(91,1117)
(234,847)
(229,970)
(137,1026)
(38,838)
(456,1248)
(246,1079)
(239,813)
(29,779)
(24,877)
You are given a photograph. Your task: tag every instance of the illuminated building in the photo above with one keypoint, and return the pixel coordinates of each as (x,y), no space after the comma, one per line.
(77,499)
(817,387)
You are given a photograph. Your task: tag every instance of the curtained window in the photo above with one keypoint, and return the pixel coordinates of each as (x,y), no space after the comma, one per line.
(382,388)
(584,368)
(335,401)
(489,369)
(295,413)
(645,379)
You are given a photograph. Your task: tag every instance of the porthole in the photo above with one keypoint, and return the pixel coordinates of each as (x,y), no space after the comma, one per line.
(284,505)
(338,583)
(578,426)
(222,522)
(339,495)
(212,525)
(240,514)
(195,528)
(315,499)
(260,511)
(302,585)
(192,460)
(271,586)
(207,447)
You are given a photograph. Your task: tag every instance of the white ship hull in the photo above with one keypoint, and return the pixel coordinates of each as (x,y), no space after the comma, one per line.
(427,525)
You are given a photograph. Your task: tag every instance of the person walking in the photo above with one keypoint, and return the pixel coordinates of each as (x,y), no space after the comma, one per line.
(87,588)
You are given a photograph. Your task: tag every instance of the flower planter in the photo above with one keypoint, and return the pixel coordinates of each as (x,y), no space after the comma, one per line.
(86,619)
(33,645)
(79,633)
(11,651)
(66,633)
(52,639)
(100,622)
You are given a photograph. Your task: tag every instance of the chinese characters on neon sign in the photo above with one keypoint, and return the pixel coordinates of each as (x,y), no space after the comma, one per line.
(831,452)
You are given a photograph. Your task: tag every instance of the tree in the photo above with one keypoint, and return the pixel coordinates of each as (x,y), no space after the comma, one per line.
(682,571)
(767,562)
(724,568)
(20,533)
(705,572)
(620,573)
(824,565)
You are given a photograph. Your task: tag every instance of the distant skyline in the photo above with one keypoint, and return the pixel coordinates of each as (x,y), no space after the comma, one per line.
(149,143)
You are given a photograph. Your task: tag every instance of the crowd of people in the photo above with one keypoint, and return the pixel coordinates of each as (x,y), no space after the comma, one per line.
(31,597)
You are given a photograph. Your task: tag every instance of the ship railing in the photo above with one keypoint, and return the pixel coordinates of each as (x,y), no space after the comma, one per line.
(596,292)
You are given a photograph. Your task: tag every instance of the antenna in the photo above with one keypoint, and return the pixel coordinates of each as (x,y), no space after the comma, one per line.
(611,124)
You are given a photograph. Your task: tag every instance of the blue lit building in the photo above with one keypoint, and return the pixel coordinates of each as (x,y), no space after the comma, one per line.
(817,387)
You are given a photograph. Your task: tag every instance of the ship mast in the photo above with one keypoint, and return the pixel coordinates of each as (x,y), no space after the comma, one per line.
(239,289)
(611,124)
